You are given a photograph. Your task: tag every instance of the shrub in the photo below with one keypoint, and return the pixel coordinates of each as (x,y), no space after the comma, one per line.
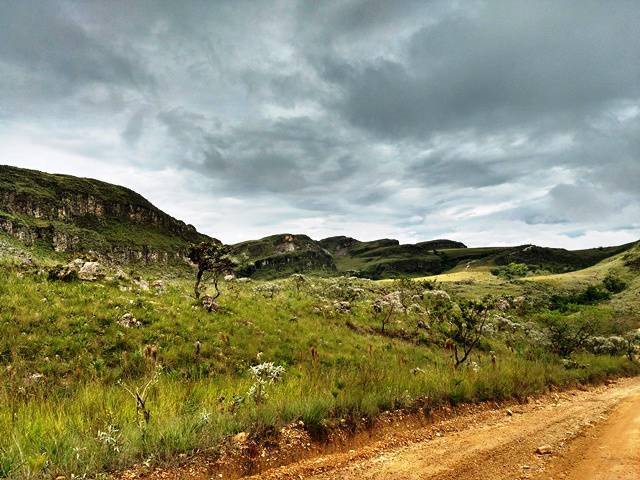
(613,283)
(594,294)
(512,270)
(463,327)
(568,334)
(264,374)
(613,345)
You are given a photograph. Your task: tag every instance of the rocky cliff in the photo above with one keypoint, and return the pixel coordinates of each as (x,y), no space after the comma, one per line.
(281,255)
(71,214)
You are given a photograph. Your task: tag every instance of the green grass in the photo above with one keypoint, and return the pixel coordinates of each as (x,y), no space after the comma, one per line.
(69,334)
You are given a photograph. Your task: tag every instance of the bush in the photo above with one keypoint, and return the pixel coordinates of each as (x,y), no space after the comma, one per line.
(594,294)
(569,334)
(613,345)
(589,296)
(614,284)
(512,270)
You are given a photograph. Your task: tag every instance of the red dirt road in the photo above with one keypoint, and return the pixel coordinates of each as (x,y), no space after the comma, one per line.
(592,434)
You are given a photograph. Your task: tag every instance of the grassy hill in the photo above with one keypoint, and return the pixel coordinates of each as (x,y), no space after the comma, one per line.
(71,214)
(74,215)
(281,255)
(387,258)
(70,355)
(326,349)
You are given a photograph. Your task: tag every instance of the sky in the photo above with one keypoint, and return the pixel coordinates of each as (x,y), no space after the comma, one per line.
(487,122)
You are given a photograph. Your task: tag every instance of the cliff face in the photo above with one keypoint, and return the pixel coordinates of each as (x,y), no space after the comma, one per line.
(73,214)
(282,255)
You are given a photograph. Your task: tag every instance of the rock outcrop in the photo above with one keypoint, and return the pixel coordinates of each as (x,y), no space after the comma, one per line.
(282,255)
(72,214)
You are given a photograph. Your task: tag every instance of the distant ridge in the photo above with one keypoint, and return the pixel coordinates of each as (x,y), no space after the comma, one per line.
(74,215)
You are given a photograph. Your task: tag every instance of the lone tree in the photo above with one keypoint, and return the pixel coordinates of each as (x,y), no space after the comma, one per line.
(567,336)
(213,260)
(463,327)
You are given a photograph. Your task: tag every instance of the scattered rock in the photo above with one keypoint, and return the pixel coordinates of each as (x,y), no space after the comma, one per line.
(91,271)
(34,378)
(209,304)
(509,412)
(65,273)
(342,307)
(240,438)
(77,269)
(129,321)
(120,275)
(544,450)
(229,278)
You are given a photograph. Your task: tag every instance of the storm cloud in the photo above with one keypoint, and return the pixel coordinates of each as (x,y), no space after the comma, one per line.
(490,122)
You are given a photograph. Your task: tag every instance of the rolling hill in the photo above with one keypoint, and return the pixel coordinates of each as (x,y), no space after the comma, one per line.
(73,215)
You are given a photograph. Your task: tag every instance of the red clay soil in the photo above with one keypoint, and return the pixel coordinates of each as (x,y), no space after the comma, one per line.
(592,433)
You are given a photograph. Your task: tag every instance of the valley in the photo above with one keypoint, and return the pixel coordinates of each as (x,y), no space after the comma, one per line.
(111,367)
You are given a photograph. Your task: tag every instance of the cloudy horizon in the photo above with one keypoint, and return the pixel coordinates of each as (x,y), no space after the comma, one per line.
(487,122)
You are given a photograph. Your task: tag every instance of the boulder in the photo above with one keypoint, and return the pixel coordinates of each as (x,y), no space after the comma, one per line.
(120,275)
(65,273)
(91,271)
(544,450)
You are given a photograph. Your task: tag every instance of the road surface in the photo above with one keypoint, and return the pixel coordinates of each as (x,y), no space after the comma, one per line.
(580,435)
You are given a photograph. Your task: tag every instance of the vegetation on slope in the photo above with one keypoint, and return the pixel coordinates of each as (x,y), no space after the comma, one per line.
(281,255)
(387,258)
(72,352)
(78,214)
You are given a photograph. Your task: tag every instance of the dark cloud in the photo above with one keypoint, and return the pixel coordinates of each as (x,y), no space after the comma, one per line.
(54,56)
(508,63)
(461,173)
(132,132)
(479,120)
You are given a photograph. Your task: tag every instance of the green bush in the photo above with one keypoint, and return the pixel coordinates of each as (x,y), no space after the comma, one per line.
(512,270)
(614,284)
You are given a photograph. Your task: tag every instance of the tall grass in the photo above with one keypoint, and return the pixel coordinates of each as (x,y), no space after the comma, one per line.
(66,360)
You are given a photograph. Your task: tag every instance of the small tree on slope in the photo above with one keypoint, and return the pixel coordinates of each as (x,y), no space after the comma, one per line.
(212,259)
(463,327)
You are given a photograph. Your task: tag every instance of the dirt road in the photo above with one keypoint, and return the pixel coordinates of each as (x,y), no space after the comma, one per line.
(583,435)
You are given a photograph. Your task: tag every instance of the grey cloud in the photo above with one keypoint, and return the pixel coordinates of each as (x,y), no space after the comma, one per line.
(283,156)
(368,113)
(461,173)
(43,44)
(132,132)
(508,63)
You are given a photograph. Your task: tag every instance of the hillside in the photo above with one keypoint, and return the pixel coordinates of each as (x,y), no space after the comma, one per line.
(72,215)
(75,215)
(282,255)
(72,352)
(387,258)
